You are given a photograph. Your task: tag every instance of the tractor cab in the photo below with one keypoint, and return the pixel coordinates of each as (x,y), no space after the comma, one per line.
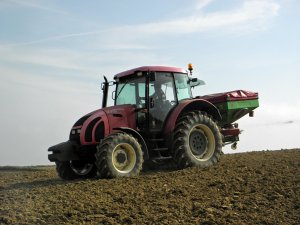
(154,91)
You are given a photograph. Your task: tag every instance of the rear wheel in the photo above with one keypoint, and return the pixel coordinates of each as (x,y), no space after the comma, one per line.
(197,141)
(119,155)
(76,169)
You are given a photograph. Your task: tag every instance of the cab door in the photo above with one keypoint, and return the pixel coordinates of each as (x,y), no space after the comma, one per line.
(162,98)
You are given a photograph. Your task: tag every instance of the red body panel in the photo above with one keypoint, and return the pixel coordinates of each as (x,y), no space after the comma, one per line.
(121,116)
(94,115)
(112,117)
(150,68)
(231,132)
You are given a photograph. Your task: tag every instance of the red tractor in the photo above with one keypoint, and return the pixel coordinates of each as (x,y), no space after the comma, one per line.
(155,120)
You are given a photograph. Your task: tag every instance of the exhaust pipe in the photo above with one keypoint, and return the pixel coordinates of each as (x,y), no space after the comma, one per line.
(104,88)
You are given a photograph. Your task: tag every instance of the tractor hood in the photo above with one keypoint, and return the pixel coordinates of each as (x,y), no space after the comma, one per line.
(93,127)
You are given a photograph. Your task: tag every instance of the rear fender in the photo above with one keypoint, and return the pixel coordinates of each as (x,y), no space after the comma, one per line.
(187,106)
(136,135)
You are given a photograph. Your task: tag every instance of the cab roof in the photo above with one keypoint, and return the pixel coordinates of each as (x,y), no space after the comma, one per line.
(150,69)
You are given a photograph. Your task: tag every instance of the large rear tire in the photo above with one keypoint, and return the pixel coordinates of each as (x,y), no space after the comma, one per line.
(76,169)
(197,141)
(119,155)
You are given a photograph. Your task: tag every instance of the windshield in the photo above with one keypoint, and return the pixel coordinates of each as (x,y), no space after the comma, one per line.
(183,90)
(130,91)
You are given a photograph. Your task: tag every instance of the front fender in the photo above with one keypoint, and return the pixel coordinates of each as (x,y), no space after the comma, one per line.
(138,136)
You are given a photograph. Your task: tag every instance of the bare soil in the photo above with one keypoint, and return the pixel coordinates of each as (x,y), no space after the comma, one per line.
(244,188)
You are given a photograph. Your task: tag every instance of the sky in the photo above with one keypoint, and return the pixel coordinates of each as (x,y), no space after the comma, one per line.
(53,55)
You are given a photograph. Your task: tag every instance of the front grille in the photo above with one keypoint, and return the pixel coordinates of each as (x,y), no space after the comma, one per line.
(99,134)
(89,131)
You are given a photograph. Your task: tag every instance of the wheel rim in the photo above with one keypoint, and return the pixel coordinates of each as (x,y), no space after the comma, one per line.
(81,168)
(201,142)
(124,158)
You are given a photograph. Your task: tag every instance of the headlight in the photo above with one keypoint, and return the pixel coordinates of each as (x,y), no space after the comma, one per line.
(76,130)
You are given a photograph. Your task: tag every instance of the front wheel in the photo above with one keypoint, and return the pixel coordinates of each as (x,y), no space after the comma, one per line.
(119,155)
(197,141)
(76,169)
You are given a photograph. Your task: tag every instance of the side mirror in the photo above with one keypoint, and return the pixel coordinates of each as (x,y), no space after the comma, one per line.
(195,82)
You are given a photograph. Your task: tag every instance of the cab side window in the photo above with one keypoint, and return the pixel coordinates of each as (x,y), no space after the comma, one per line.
(131,92)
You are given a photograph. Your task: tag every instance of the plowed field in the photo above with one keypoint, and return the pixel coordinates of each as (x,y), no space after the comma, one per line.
(244,188)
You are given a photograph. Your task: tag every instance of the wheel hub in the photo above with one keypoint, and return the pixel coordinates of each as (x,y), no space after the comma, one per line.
(198,142)
(124,158)
(121,157)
